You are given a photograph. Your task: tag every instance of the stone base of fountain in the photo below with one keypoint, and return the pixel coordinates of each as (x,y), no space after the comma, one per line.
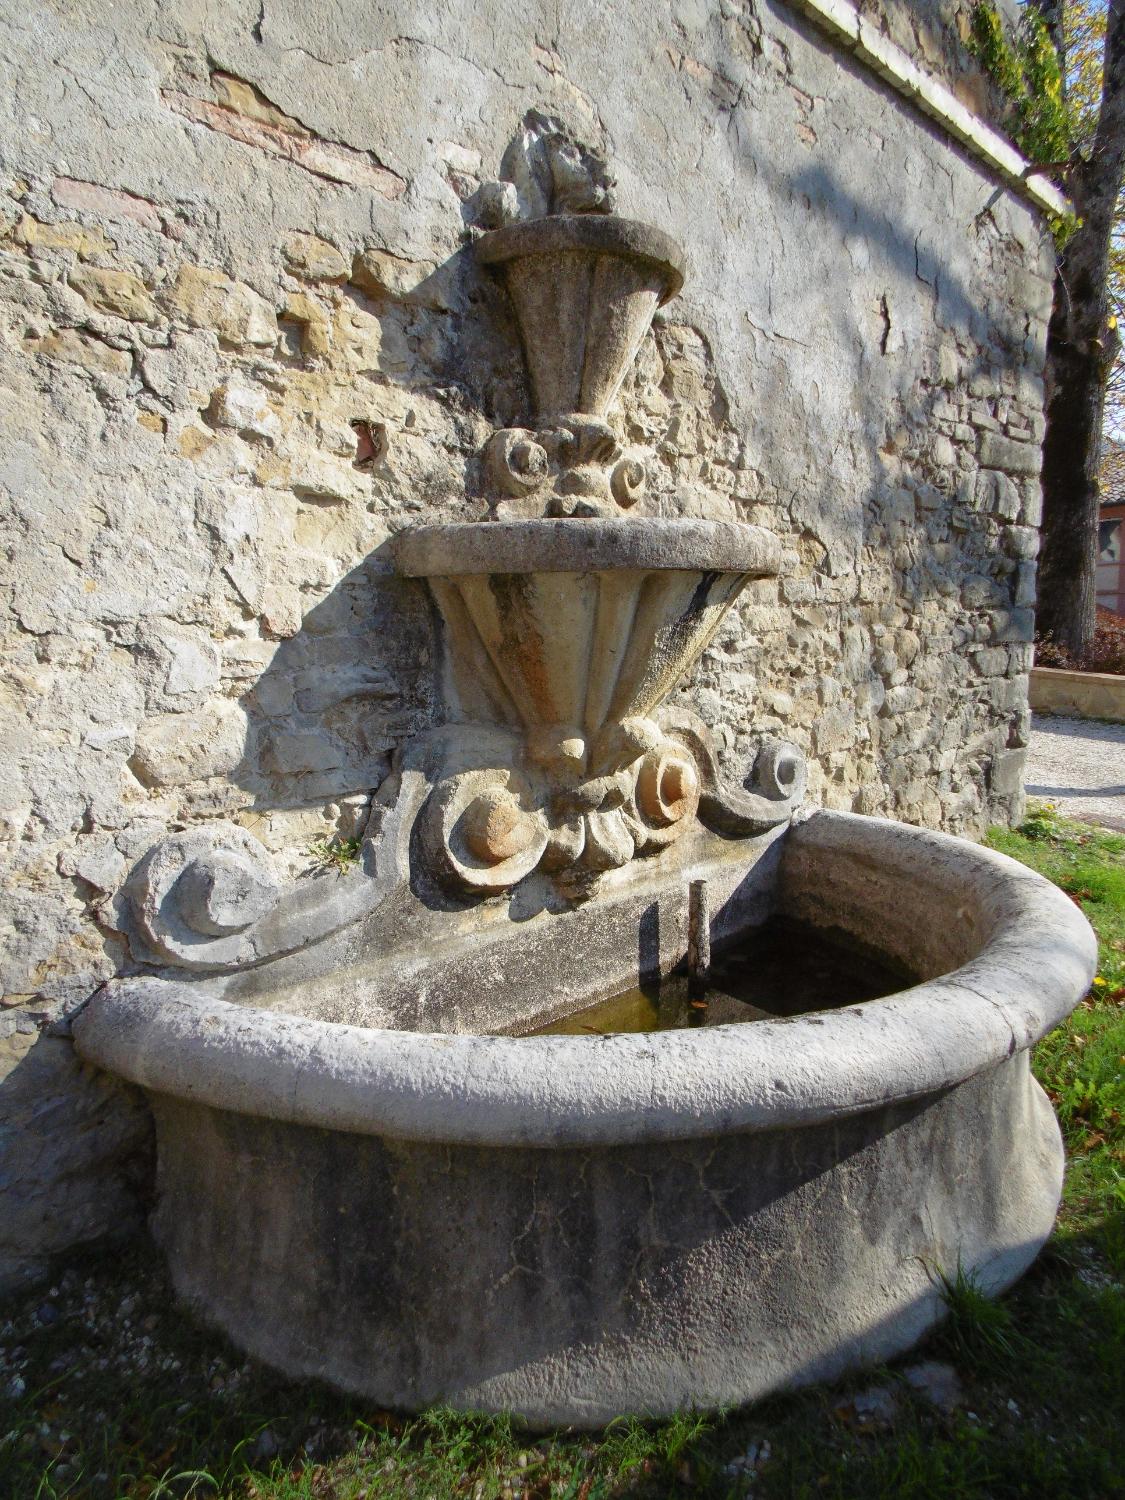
(571,1227)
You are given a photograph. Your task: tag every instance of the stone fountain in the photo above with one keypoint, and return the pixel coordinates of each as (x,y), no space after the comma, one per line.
(369,1171)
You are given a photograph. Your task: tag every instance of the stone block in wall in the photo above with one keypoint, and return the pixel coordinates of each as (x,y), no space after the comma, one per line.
(314,259)
(96,860)
(75,1147)
(1009,693)
(900,700)
(834,730)
(212,300)
(1032,503)
(979,591)
(1021,656)
(119,293)
(1012,625)
(1006,773)
(997,494)
(290,753)
(175,749)
(1021,542)
(991,661)
(93,355)
(1026,591)
(1008,455)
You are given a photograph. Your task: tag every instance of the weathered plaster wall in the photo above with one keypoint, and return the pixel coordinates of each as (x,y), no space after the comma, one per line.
(937,35)
(230,231)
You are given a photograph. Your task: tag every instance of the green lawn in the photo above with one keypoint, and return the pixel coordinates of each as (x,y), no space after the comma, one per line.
(1082,1064)
(115,1394)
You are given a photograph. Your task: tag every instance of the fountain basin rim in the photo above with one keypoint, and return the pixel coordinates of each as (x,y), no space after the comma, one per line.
(588,545)
(1036,961)
(600,233)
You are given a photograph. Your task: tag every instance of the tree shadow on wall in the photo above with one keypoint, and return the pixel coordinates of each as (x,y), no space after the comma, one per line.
(924,309)
(357,678)
(355,681)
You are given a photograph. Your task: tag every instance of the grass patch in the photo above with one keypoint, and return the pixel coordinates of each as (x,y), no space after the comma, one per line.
(1082,1065)
(979,1333)
(106,1390)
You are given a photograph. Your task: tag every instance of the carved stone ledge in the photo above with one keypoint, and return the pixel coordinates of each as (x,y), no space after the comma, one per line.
(459,550)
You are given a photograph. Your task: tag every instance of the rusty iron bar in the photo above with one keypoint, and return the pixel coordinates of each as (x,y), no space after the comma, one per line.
(699,938)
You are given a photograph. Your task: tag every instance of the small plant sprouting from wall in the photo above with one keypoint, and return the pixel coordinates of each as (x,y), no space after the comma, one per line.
(338,854)
(1027,71)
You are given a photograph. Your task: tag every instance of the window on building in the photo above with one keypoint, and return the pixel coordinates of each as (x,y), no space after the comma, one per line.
(1108,583)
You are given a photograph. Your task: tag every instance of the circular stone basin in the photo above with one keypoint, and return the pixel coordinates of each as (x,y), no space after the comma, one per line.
(572,1227)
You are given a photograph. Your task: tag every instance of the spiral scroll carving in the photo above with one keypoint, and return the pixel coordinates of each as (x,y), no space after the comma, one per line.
(201,892)
(580,808)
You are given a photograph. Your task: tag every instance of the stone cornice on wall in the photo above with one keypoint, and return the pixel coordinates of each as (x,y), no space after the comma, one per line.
(843,22)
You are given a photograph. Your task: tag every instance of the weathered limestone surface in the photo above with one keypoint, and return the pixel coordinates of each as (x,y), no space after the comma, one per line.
(243,342)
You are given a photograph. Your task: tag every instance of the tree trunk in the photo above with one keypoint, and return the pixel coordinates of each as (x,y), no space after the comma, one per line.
(1052,13)
(1080,351)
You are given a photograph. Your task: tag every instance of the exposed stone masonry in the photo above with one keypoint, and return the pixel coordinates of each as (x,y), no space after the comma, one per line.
(242,342)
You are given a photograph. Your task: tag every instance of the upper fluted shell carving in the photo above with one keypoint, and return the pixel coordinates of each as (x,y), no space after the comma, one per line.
(584,289)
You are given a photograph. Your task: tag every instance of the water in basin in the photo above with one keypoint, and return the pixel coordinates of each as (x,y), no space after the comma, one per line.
(783,968)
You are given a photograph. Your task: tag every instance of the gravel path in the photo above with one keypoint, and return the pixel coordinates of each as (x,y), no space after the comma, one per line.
(1080,765)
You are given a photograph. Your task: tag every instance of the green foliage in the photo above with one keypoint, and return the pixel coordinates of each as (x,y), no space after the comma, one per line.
(339,854)
(1083,36)
(978,1332)
(1042,821)
(1026,69)
(1082,1065)
(1063,228)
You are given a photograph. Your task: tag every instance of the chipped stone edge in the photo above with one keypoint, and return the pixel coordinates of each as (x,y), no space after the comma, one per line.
(1036,961)
(845,25)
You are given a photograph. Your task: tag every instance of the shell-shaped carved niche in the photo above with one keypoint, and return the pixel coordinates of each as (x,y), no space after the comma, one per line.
(584,288)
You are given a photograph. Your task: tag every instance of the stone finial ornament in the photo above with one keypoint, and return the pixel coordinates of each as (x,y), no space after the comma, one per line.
(546,170)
